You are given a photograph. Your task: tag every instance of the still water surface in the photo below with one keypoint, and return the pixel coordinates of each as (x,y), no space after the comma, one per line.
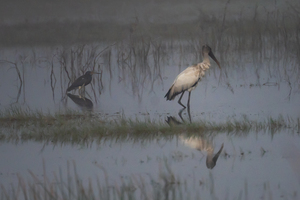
(259,79)
(254,166)
(136,87)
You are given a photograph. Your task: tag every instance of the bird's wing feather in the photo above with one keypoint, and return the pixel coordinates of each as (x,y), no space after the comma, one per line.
(79,82)
(186,79)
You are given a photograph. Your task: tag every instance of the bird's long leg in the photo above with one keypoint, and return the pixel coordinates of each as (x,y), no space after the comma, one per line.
(83,88)
(180,114)
(188,103)
(79,92)
(179,100)
(189,112)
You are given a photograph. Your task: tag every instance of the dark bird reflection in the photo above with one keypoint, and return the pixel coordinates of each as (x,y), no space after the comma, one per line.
(201,143)
(188,112)
(173,121)
(83,102)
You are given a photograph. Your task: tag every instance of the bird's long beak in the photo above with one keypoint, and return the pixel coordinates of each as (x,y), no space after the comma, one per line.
(95,73)
(214,58)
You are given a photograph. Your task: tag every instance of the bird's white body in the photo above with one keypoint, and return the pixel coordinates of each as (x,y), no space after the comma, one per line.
(188,79)
(199,143)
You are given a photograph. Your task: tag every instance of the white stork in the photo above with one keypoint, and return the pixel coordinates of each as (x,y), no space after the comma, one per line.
(188,79)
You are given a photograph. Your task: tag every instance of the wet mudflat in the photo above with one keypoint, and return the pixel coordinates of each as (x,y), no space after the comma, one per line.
(238,140)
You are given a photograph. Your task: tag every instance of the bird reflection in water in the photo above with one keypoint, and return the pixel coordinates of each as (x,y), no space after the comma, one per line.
(204,145)
(201,143)
(83,102)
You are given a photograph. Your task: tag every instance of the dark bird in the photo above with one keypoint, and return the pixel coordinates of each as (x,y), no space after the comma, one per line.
(188,79)
(82,81)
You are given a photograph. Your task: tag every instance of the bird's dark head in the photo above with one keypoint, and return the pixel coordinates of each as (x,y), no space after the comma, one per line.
(207,50)
(88,73)
(210,163)
(211,160)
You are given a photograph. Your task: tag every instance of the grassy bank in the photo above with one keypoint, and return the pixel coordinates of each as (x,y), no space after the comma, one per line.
(73,127)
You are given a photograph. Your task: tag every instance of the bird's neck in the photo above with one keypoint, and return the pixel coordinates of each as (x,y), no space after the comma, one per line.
(206,59)
(205,64)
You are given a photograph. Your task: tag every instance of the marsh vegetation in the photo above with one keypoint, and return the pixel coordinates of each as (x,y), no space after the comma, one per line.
(75,127)
(88,131)
(122,140)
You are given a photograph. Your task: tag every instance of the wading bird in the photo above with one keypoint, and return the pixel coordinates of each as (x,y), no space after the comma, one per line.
(188,79)
(82,81)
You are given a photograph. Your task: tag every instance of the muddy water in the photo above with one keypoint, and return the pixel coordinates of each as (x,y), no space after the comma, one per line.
(259,79)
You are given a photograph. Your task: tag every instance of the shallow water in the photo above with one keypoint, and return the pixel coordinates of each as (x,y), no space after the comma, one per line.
(136,87)
(253,166)
(139,53)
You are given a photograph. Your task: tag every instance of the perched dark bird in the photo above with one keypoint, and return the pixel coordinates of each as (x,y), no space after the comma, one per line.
(82,81)
(188,79)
